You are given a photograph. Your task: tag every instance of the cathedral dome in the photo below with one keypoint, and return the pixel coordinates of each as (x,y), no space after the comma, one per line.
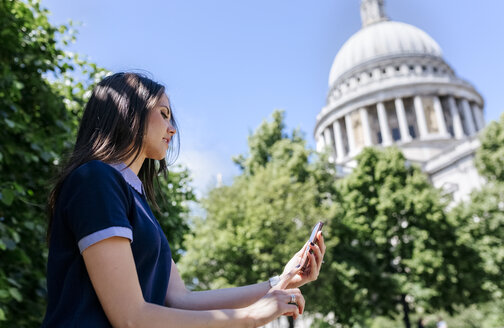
(382,40)
(389,85)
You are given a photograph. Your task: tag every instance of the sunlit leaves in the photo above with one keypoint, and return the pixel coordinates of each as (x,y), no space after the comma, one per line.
(43,90)
(38,119)
(490,157)
(174,198)
(392,239)
(255,225)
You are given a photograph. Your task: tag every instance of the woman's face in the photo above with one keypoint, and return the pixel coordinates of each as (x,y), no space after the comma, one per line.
(159,130)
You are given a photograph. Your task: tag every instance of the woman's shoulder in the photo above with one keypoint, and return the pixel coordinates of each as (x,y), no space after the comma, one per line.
(94,172)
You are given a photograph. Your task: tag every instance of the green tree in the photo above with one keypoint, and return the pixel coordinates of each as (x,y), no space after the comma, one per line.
(490,156)
(35,128)
(255,225)
(42,93)
(481,227)
(483,315)
(174,196)
(391,246)
(260,144)
(481,219)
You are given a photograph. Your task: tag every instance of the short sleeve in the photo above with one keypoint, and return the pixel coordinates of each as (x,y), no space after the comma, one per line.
(96,204)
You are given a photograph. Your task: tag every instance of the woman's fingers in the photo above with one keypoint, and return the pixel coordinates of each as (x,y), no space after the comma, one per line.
(290,301)
(298,298)
(319,251)
(275,303)
(286,279)
(321,242)
(292,311)
(315,257)
(318,254)
(313,268)
(302,250)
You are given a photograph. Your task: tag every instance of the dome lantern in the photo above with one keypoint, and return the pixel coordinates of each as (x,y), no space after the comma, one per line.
(372,11)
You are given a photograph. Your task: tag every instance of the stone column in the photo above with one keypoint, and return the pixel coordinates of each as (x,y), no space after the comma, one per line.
(384,127)
(350,133)
(320,143)
(328,143)
(457,122)
(365,127)
(478,114)
(438,110)
(469,122)
(340,150)
(420,115)
(403,122)
(327,137)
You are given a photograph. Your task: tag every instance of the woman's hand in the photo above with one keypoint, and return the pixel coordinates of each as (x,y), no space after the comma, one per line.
(315,260)
(275,303)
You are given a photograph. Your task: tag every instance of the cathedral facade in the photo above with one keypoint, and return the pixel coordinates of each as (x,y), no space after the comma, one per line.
(389,85)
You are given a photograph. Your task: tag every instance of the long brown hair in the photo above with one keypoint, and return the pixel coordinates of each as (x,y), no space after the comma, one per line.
(112,130)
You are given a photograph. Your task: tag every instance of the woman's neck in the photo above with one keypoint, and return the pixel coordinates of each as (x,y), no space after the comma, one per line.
(137,163)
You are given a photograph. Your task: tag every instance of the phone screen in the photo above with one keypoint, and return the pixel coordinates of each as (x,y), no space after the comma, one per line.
(312,239)
(314,232)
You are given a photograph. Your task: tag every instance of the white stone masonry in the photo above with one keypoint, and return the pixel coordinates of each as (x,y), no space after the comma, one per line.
(365,127)
(350,134)
(384,127)
(438,111)
(420,115)
(339,140)
(469,122)
(403,123)
(457,122)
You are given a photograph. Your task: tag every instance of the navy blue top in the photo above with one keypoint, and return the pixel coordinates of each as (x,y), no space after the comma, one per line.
(99,201)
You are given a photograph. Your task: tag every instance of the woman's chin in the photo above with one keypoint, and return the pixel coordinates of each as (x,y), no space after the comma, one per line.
(157,157)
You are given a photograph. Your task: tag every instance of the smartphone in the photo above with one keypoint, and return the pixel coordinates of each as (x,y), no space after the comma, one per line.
(313,239)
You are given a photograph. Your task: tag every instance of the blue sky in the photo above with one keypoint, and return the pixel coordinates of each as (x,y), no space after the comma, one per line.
(227,64)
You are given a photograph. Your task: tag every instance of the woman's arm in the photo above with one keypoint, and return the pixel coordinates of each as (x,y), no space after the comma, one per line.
(113,274)
(178,296)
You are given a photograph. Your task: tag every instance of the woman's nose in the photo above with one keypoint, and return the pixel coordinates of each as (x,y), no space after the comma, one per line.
(171,129)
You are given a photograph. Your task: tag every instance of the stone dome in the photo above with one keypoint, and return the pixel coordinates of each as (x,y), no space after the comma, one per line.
(389,85)
(382,40)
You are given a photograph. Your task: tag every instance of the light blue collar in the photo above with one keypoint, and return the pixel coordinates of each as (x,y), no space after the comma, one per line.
(130,176)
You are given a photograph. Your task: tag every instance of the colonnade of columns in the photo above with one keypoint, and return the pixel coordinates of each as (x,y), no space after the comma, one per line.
(466,120)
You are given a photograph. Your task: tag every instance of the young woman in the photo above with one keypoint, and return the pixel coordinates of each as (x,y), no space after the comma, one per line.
(109,261)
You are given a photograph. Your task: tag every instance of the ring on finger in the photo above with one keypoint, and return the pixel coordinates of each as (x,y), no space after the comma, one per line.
(293,299)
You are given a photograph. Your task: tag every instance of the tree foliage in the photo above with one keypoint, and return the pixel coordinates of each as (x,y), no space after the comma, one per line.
(255,225)
(43,89)
(173,197)
(482,315)
(35,128)
(392,248)
(481,220)
(490,156)
(260,144)
(481,227)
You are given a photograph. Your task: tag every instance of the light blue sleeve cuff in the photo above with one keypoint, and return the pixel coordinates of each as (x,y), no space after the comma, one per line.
(100,235)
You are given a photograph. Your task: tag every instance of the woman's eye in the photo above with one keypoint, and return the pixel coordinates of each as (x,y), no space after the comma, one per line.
(164,114)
